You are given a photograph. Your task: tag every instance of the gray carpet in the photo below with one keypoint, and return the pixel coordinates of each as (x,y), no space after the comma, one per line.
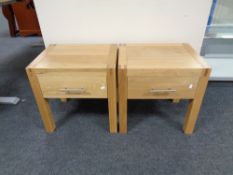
(82,145)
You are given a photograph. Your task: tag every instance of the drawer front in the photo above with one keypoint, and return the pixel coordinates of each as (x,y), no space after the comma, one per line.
(73,84)
(162,87)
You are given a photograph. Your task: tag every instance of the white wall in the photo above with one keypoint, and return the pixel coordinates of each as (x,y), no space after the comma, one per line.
(120,21)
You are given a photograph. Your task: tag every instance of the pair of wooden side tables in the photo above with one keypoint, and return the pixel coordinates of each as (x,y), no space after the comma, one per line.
(119,73)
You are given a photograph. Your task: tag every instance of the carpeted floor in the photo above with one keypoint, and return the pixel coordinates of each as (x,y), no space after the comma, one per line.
(82,145)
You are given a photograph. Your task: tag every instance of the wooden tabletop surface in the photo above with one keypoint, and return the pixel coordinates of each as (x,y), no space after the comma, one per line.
(156,56)
(73,57)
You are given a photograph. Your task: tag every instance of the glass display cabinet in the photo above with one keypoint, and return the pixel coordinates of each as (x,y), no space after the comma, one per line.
(217,45)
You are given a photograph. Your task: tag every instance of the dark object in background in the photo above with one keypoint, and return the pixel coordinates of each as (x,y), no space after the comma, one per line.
(9,14)
(26,18)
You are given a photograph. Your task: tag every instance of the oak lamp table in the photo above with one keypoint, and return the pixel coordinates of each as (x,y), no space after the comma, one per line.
(161,71)
(74,71)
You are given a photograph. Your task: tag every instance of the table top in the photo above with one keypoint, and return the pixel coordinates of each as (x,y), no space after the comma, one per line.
(75,56)
(160,56)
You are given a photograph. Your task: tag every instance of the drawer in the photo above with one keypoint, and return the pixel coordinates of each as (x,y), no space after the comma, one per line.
(162,87)
(73,84)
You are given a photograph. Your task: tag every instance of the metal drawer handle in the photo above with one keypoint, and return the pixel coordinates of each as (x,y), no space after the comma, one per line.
(73,91)
(162,90)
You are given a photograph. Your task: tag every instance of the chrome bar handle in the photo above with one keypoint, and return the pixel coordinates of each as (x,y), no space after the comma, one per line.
(162,90)
(73,91)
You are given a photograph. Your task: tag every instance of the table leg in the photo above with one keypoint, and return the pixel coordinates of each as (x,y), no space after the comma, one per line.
(112,99)
(42,103)
(195,104)
(122,91)
(9,14)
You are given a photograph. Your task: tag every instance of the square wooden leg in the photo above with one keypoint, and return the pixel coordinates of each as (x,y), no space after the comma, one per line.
(43,105)
(112,100)
(122,92)
(195,104)
(9,14)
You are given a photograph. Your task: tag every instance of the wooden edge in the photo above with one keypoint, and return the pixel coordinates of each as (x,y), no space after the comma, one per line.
(208,72)
(122,99)
(154,44)
(83,44)
(36,60)
(195,104)
(112,60)
(112,97)
(40,70)
(43,106)
(122,57)
(122,88)
(40,56)
(111,88)
(194,54)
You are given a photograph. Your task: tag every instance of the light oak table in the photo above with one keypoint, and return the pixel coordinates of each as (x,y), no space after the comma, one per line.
(74,71)
(161,71)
